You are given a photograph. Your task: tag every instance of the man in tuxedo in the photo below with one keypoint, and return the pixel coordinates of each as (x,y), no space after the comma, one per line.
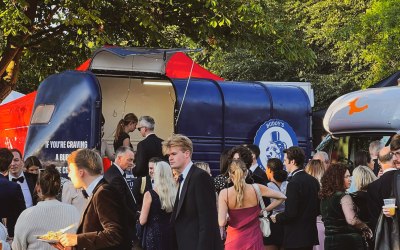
(147,148)
(255,168)
(124,158)
(195,212)
(27,181)
(11,197)
(381,188)
(301,205)
(103,224)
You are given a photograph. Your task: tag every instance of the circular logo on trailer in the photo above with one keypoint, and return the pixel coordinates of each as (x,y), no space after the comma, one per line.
(272,138)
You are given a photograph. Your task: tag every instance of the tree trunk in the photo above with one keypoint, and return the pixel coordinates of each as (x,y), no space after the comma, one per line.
(9,68)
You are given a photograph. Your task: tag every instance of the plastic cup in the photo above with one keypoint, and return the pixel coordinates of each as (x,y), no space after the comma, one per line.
(391,205)
(389,202)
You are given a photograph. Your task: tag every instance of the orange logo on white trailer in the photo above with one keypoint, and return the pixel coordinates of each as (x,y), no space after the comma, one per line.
(354,108)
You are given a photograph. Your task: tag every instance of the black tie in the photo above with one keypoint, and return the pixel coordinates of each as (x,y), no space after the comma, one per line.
(19,179)
(180,178)
(85,194)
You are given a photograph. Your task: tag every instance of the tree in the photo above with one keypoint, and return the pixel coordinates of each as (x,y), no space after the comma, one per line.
(355,42)
(47,36)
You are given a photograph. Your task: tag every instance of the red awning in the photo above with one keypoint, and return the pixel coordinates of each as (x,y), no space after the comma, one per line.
(179,66)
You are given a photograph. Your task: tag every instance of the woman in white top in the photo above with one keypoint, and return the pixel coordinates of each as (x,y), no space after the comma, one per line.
(48,215)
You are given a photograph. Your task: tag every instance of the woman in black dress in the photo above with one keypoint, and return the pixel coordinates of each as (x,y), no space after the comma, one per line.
(157,207)
(343,228)
(124,127)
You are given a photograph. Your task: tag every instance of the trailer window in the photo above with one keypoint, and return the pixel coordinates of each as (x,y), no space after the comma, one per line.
(42,114)
(345,148)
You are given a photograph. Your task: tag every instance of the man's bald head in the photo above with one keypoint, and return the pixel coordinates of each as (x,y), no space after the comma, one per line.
(385,158)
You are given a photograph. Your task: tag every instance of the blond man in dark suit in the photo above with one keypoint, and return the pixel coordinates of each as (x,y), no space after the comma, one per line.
(195,212)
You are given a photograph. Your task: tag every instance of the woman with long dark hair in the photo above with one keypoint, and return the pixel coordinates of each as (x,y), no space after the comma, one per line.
(124,127)
(343,229)
(32,165)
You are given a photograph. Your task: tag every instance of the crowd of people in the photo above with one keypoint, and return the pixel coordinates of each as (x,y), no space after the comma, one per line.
(176,203)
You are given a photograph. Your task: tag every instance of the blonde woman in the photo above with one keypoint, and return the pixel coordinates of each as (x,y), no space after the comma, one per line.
(362,176)
(241,203)
(157,209)
(316,168)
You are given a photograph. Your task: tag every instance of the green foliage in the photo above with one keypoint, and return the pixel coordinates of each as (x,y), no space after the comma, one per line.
(339,46)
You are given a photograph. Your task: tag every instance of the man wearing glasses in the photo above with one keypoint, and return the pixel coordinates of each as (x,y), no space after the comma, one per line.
(395,148)
(148,148)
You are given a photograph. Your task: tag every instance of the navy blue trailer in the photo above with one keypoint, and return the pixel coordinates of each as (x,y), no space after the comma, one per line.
(215,114)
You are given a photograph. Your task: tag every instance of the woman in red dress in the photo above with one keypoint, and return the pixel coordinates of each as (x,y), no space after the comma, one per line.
(240,204)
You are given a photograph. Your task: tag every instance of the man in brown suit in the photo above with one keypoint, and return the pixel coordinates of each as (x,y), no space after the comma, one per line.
(102,224)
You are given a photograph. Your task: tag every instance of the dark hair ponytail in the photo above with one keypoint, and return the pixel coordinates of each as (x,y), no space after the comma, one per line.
(276,167)
(49,181)
(128,118)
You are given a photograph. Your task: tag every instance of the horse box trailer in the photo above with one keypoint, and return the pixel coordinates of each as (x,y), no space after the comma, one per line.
(356,119)
(215,115)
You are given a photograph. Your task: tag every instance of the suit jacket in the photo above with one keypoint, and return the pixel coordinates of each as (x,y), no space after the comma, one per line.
(261,175)
(137,184)
(103,223)
(115,179)
(301,211)
(31,180)
(146,149)
(377,191)
(195,213)
(12,201)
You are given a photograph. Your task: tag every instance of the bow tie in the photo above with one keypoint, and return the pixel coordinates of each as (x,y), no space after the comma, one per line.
(85,194)
(19,179)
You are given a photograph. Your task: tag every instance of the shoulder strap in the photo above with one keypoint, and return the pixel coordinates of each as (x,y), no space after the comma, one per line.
(260,200)
(259,197)
(143,185)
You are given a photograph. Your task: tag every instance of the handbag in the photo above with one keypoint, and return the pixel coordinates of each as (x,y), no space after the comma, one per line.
(264,222)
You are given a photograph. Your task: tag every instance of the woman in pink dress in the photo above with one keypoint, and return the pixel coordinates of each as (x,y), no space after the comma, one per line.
(240,204)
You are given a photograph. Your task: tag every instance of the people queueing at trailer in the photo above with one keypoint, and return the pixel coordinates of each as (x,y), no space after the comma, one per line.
(178,197)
